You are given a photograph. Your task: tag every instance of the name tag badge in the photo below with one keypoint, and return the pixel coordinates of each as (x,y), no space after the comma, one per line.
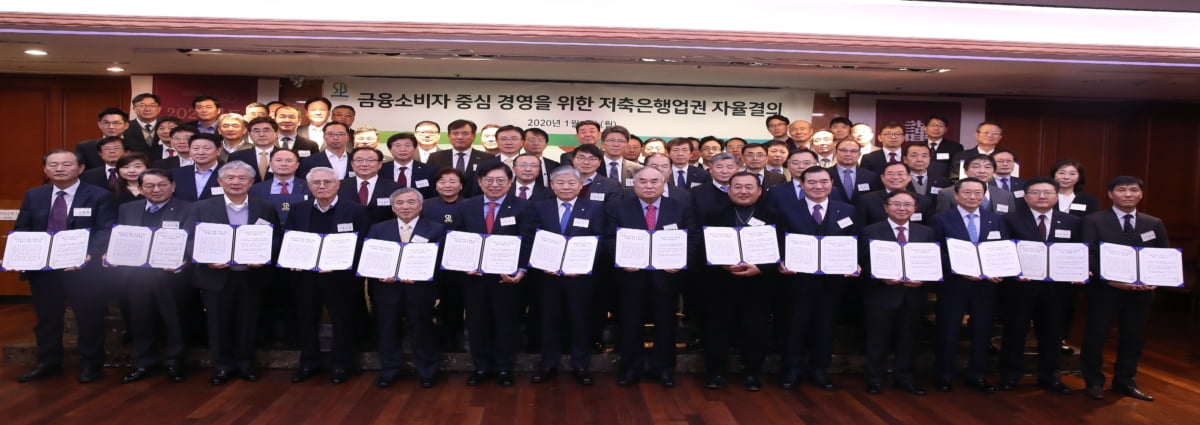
(1062,233)
(1019,193)
(943,157)
(1148,236)
(170,224)
(418,239)
(934,190)
(345,227)
(598,197)
(995,234)
(304,153)
(83,212)
(629,182)
(917,217)
(421,184)
(581,222)
(261,221)
(1078,207)
(217,191)
(1001,208)
(694,184)
(671,226)
(508,221)
(863,187)
(845,222)
(755,222)
(383,202)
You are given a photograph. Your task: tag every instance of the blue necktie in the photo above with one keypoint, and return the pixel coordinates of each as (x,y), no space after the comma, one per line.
(681,181)
(566,218)
(848,183)
(972,232)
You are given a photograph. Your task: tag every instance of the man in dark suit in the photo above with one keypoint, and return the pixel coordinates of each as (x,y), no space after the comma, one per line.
(285,191)
(1108,301)
(262,135)
(208,110)
(961,295)
(813,300)
(113,123)
(982,168)
(587,132)
(891,136)
(653,290)
(926,179)
(987,136)
(156,296)
(461,156)
(288,120)
(397,302)
(527,173)
(1006,163)
(404,169)
(942,150)
(616,167)
(896,178)
(793,190)
(335,154)
(334,290)
(283,188)
(754,156)
(366,188)
(848,177)
(110,149)
(231,293)
(893,307)
(536,141)
(179,140)
(596,187)
(66,204)
(140,137)
(660,161)
(565,300)
(1045,303)
(199,180)
(682,174)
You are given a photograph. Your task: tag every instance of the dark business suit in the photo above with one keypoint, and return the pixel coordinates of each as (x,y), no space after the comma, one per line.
(640,289)
(535,192)
(813,300)
(770,179)
(280,317)
(231,295)
(1016,185)
(548,165)
(998,200)
(297,194)
(156,297)
(379,201)
(397,303)
(1045,303)
(892,312)
(421,177)
(931,181)
(947,149)
(185,184)
(250,157)
(90,152)
(300,144)
(877,160)
(1107,304)
(320,159)
(491,305)
(333,290)
(693,176)
(862,176)
(450,289)
(98,177)
(601,185)
(706,199)
(447,159)
(1083,205)
(135,141)
(566,301)
(959,296)
(956,161)
(52,289)
(870,208)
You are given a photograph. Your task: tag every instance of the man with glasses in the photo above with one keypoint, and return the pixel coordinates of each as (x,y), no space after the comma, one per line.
(110,150)
(891,136)
(536,141)
(428,134)
(754,156)
(262,137)
(596,187)
(335,154)
(112,123)
(777,126)
(942,150)
(365,187)
(615,166)
(896,177)
(140,137)
(1006,165)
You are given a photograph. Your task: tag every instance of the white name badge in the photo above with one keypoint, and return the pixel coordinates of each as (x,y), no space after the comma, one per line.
(845,222)
(508,221)
(1062,233)
(345,227)
(261,221)
(1019,193)
(1001,208)
(671,226)
(581,222)
(1078,207)
(217,191)
(421,184)
(418,239)
(170,224)
(755,222)
(696,184)
(995,234)
(629,182)
(598,197)
(917,217)
(383,202)
(943,156)
(304,153)
(934,190)
(1148,236)
(863,187)
(83,212)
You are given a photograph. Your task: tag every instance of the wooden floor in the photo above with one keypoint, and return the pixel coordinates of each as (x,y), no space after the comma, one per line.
(1170,371)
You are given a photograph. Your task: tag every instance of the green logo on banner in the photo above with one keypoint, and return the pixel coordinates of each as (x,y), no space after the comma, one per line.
(340,89)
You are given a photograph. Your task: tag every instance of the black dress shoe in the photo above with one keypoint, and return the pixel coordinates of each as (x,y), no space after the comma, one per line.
(175,374)
(1094,392)
(822,382)
(338,376)
(249,374)
(788,381)
(945,386)
(1008,385)
(583,377)
(302,374)
(138,375)
(1057,387)
(715,382)
(910,388)
(385,381)
(874,388)
(505,378)
(41,371)
(982,385)
(628,378)
(1134,392)
(752,383)
(542,375)
(477,378)
(428,382)
(667,378)
(89,375)
(220,377)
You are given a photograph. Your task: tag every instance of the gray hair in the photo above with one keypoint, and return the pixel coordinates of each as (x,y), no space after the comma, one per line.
(401,191)
(308,176)
(643,169)
(235,165)
(565,169)
(721,157)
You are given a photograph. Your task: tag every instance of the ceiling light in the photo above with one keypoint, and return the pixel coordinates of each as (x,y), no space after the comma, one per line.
(115,68)
(36,52)
(648,60)
(818,114)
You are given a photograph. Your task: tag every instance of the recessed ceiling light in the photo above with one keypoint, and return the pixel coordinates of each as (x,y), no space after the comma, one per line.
(115,68)
(648,60)
(36,52)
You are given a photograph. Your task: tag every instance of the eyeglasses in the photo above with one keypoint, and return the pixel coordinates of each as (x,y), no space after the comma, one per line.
(1036,193)
(112,123)
(322,183)
(892,134)
(365,161)
(901,204)
(586,158)
(494,180)
(847,150)
(145,105)
(112,149)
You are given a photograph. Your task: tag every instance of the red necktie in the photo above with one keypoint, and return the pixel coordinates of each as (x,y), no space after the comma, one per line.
(283,190)
(170,153)
(651,217)
(1042,227)
(900,235)
(112,176)
(490,218)
(58,213)
(401,179)
(363,194)
(524,193)
(892,156)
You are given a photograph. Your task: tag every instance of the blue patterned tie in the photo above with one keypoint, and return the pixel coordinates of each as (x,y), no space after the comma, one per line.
(848,183)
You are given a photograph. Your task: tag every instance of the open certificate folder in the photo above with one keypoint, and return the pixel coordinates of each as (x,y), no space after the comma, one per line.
(727,246)
(46,251)
(651,250)
(317,252)
(215,243)
(564,255)
(474,252)
(1053,261)
(913,261)
(984,259)
(382,259)
(137,246)
(810,254)
(1139,265)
